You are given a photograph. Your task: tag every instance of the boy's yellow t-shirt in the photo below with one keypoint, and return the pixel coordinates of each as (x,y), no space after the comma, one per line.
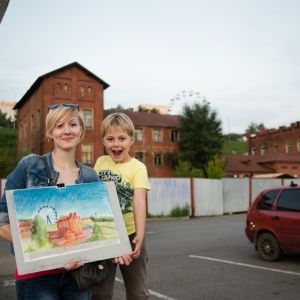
(127,177)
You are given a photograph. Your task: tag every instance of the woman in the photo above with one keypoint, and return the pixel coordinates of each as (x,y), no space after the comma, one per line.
(65,128)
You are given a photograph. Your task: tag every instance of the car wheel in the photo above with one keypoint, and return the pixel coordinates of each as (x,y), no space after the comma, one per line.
(268,247)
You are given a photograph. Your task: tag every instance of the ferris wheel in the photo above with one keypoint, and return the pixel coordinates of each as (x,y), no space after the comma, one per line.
(48,213)
(184,96)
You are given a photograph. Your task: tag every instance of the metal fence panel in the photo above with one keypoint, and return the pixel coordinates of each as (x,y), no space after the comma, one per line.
(235,195)
(260,184)
(208,197)
(168,193)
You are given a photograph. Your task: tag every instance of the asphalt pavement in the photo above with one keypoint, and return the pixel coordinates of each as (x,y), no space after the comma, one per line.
(207,258)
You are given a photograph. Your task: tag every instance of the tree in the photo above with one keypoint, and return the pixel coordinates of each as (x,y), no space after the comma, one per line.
(152,111)
(201,134)
(120,107)
(216,168)
(185,169)
(254,127)
(8,151)
(5,122)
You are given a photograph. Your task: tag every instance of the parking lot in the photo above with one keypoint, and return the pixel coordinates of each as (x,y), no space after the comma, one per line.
(200,258)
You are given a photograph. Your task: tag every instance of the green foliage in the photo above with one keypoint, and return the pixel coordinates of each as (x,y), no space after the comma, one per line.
(5,122)
(185,169)
(175,213)
(216,168)
(120,107)
(180,211)
(254,127)
(8,151)
(40,237)
(201,134)
(152,111)
(96,229)
(234,147)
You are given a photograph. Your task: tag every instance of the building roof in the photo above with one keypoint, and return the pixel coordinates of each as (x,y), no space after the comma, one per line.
(274,175)
(149,119)
(40,79)
(3,7)
(279,157)
(245,164)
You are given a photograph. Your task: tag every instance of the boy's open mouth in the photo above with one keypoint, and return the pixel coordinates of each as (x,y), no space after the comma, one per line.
(117,152)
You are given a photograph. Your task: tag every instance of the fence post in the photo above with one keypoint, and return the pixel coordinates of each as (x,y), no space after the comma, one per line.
(192,198)
(250,192)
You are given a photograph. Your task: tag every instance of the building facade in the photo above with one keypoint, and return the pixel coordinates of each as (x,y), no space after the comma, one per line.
(273,141)
(156,134)
(272,153)
(69,84)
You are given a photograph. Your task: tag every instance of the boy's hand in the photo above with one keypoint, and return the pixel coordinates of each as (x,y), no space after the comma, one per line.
(137,249)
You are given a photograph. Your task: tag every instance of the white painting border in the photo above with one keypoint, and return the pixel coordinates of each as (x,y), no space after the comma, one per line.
(62,259)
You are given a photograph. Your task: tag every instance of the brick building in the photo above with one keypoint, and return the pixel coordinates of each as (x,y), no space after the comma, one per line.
(156,134)
(156,138)
(71,83)
(272,153)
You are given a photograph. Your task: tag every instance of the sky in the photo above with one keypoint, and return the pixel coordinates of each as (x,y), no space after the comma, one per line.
(242,56)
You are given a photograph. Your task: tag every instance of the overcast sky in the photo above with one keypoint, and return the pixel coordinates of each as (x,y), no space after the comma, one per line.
(242,56)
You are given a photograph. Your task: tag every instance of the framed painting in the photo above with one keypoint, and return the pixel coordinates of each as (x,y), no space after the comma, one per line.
(52,227)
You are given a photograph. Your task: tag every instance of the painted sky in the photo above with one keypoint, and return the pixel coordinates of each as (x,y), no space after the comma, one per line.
(240,55)
(84,199)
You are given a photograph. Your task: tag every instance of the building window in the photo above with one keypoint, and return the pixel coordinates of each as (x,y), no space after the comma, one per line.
(253,151)
(157,135)
(89,89)
(288,148)
(88,120)
(25,131)
(87,153)
(263,150)
(139,156)
(66,87)
(82,90)
(158,159)
(58,86)
(32,124)
(38,120)
(174,136)
(275,149)
(298,146)
(139,135)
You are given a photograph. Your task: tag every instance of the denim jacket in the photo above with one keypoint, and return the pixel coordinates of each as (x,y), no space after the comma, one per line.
(31,173)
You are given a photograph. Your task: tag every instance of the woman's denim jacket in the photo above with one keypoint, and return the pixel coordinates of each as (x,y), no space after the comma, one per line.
(31,173)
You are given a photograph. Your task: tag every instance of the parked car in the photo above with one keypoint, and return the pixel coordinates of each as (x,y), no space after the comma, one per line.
(273,222)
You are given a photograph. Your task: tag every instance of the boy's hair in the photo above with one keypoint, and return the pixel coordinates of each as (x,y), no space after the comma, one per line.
(60,115)
(117,120)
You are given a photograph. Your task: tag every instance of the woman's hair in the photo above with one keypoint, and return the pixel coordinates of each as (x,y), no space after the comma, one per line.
(116,120)
(60,115)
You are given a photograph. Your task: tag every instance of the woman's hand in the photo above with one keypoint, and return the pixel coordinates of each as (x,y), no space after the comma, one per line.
(125,259)
(73,265)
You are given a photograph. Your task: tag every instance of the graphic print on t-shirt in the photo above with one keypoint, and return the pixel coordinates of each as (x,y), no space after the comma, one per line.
(124,189)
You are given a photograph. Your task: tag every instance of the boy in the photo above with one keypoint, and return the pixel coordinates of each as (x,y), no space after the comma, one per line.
(131,179)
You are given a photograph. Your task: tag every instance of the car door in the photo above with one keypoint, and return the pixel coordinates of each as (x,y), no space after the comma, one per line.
(286,217)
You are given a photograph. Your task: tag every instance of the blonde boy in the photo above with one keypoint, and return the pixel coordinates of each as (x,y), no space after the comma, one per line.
(131,179)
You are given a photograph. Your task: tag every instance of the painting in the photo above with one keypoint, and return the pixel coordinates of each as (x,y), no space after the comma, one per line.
(52,227)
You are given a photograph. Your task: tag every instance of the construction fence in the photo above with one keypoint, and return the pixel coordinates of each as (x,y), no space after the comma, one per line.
(204,197)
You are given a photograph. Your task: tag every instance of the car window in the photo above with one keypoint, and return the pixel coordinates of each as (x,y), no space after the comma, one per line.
(266,201)
(289,200)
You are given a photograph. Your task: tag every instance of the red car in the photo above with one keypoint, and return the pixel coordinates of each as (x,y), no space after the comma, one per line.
(273,221)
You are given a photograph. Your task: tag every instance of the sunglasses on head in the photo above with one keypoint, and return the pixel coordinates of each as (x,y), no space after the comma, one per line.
(53,106)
